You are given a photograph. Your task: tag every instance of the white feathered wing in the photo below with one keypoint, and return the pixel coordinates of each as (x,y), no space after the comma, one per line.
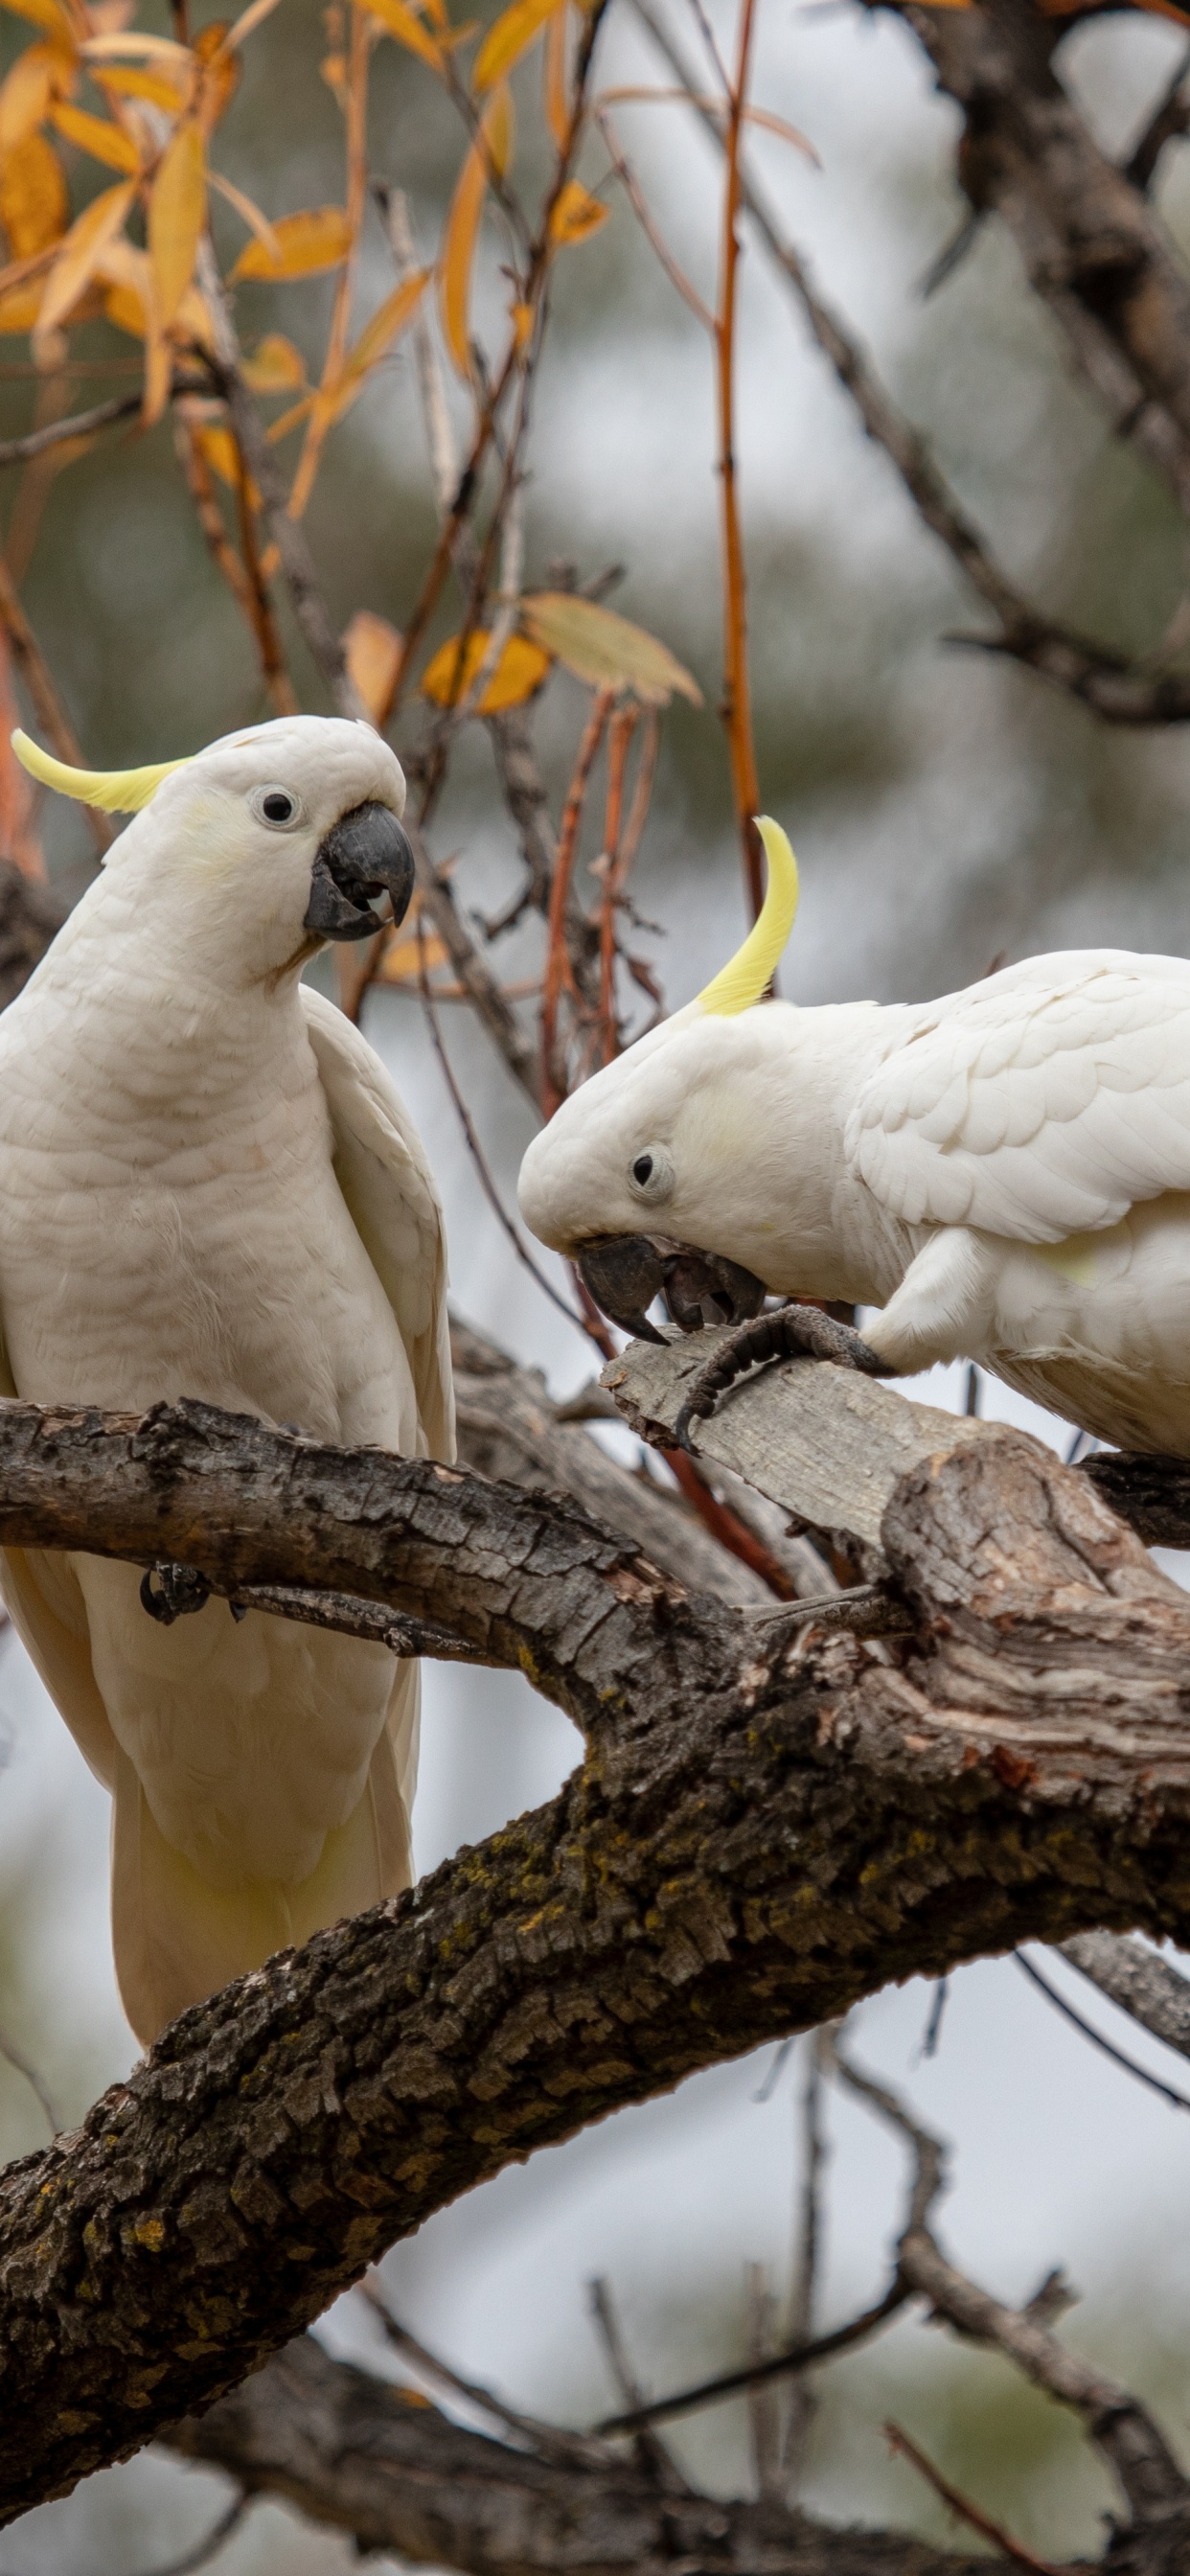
(176,1937)
(1043,1103)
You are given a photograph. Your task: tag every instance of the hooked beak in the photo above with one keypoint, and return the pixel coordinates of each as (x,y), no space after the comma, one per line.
(625,1272)
(366,854)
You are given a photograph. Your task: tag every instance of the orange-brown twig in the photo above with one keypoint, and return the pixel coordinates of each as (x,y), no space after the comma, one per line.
(966,2511)
(34,670)
(259,603)
(558,972)
(623,726)
(737,697)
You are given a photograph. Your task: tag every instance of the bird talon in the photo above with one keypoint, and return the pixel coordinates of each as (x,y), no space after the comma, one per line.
(181,1589)
(788,1332)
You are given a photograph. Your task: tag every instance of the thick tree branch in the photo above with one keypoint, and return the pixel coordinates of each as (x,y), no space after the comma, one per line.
(766,1827)
(378,2462)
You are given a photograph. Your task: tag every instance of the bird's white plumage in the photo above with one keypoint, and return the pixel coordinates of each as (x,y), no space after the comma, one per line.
(1044,1102)
(210,1187)
(1004,1174)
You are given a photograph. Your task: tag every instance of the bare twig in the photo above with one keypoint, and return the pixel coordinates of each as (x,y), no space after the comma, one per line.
(800,2402)
(1155,1993)
(47,706)
(1169,118)
(1177,2101)
(737,692)
(79,424)
(558,971)
(962,2506)
(572,2450)
(36,2082)
(709,2392)
(650,2450)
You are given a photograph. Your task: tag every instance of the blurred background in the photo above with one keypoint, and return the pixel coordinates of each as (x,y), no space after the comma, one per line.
(947,811)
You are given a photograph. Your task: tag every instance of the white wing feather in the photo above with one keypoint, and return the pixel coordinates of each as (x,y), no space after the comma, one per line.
(1042,1103)
(393,1203)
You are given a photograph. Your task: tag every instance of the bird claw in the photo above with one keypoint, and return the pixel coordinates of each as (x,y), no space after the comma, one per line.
(181,1589)
(788,1332)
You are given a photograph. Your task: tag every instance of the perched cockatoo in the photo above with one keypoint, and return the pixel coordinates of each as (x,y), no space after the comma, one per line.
(1004,1173)
(209,1187)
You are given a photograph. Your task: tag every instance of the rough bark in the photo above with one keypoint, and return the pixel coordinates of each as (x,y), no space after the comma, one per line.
(1091,245)
(768,1825)
(383,2464)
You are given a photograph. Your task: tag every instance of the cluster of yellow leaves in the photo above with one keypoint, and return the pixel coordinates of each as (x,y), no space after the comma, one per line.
(599,647)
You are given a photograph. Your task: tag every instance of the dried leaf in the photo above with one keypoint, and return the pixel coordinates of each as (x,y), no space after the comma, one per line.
(19,307)
(521,318)
(177,214)
(373,649)
(406,959)
(376,337)
(577,214)
(606,651)
(556,102)
(126,309)
(220,72)
(223,456)
(520,670)
(50,15)
(275,366)
(131,41)
(512,35)
(318,238)
(489,151)
(96,135)
(158,88)
(26,93)
(34,205)
(399,20)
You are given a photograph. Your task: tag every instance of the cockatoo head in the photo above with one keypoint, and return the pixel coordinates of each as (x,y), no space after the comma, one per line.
(261,847)
(647,1175)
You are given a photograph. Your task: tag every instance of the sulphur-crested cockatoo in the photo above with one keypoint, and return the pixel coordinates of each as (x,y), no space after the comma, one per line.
(1004,1173)
(209,1187)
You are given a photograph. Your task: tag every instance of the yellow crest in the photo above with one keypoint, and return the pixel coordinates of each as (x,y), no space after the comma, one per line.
(742,981)
(116,791)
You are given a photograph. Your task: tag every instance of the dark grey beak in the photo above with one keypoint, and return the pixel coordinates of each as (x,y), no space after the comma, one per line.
(366,854)
(625,1272)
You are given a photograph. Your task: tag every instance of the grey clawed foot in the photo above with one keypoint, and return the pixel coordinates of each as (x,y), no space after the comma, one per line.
(789,1332)
(170,1591)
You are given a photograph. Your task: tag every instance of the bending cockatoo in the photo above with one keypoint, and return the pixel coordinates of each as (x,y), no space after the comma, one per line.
(1005,1173)
(210,1188)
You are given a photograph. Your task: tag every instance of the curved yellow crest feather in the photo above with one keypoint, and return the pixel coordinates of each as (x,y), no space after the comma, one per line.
(115,791)
(742,981)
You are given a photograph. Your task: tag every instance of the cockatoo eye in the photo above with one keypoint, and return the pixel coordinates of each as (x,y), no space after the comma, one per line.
(276,807)
(651,1175)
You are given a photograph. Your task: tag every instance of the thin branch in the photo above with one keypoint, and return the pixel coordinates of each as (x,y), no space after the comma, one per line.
(551,2441)
(47,706)
(737,688)
(643,213)
(1169,118)
(651,2453)
(1150,1988)
(801,2404)
(79,424)
(1119,691)
(1177,2101)
(558,971)
(962,2506)
(36,2082)
(729,2383)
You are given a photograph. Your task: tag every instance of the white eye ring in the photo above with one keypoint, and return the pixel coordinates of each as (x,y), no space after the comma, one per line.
(651,1174)
(277,797)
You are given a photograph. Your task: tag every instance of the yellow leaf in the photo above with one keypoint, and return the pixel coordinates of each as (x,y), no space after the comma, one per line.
(96,135)
(19,306)
(489,151)
(25,95)
(557,109)
(131,41)
(82,251)
(50,16)
(334,73)
(34,206)
(219,73)
(157,87)
(377,336)
(521,318)
(577,214)
(223,456)
(406,960)
(520,670)
(177,214)
(373,649)
(511,36)
(606,651)
(275,366)
(399,20)
(126,309)
(318,238)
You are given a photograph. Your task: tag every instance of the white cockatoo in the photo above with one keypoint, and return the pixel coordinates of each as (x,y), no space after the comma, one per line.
(210,1188)
(1004,1173)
